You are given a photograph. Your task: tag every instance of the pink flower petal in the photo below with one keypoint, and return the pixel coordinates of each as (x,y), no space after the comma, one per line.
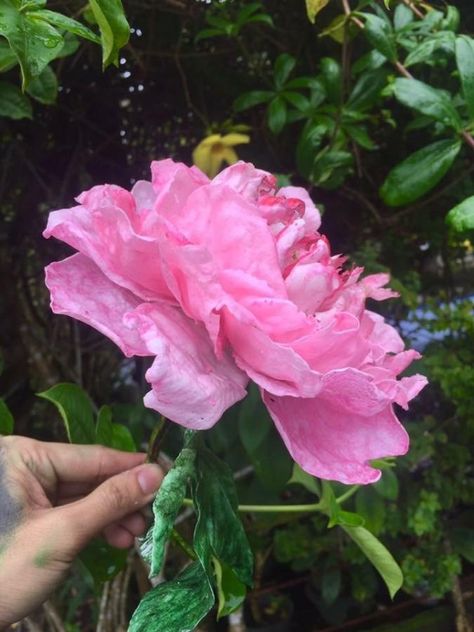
(79,289)
(335,434)
(190,385)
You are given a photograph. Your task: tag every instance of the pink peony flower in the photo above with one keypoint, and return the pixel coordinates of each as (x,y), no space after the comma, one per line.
(229,279)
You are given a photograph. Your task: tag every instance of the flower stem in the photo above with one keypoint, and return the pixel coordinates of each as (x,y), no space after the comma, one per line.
(350,492)
(270,508)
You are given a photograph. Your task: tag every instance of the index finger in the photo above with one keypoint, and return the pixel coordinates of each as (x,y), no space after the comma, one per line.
(89,463)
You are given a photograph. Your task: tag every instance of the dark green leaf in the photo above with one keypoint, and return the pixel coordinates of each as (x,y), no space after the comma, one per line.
(297,100)
(371,507)
(44,87)
(263,17)
(387,485)
(427,100)
(114,28)
(332,79)
(231,591)
(367,89)
(425,50)
(76,410)
(219,532)
(207,34)
(452,19)
(248,10)
(8,59)
(358,133)
(331,582)
(103,561)
(419,173)
(166,506)
(250,99)
(462,540)
(6,419)
(175,606)
(379,33)
(262,443)
(465,63)
(461,217)
(370,61)
(13,103)
(284,64)
(276,114)
(34,42)
(331,167)
(65,23)
(71,44)
(300,477)
(379,556)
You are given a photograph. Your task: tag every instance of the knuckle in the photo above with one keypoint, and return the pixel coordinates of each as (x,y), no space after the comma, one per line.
(116,495)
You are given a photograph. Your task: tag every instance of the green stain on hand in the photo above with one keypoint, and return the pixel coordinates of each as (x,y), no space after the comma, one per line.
(42,558)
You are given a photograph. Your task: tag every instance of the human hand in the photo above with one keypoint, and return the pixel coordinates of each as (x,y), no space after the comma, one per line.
(54,498)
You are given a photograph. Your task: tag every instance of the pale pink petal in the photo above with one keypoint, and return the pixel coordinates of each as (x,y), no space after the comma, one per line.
(245,179)
(312,218)
(165,171)
(373,285)
(310,284)
(190,385)
(335,434)
(79,289)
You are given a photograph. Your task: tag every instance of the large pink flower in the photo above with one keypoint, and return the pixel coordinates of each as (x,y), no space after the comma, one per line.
(229,279)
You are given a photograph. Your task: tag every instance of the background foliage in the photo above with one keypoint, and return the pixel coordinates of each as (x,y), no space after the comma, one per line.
(371,108)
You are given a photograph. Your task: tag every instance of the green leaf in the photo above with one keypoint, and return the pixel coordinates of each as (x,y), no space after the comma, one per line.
(76,411)
(231,591)
(296,99)
(276,114)
(175,606)
(379,556)
(219,532)
(262,17)
(425,50)
(452,19)
(66,23)
(402,16)
(44,87)
(283,67)
(465,64)
(6,419)
(387,485)
(461,217)
(262,443)
(300,477)
(114,28)
(103,561)
(166,506)
(113,435)
(427,100)
(371,507)
(13,103)
(462,540)
(332,79)
(313,7)
(367,89)
(331,582)
(8,59)
(208,33)
(419,173)
(34,42)
(359,134)
(250,99)
(380,34)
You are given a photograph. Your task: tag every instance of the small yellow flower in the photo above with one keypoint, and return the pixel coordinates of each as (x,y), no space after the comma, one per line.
(216,149)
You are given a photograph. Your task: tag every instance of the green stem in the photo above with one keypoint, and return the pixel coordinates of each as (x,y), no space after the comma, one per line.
(271,508)
(156,440)
(181,542)
(350,492)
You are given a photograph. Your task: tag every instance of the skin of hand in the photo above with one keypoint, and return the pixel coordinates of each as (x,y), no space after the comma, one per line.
(54,498)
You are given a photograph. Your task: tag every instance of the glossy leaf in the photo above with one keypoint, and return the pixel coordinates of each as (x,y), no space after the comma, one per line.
(102,561)
(313,7)
(461,217)
(251,99)
(8,59)
(367,89)
(44,87)
(379,556)
(427,100)
(13,103)
(387,485)
(6,419)
(166,506)
(65,23)
(371,507)
(76,411)
(276,114)
(175,606)
(465,64)
(113,435)
(284,65)
(34,42)
(402,16)
(419,173)
(332,79)
(231,591)
(359,135)
(114,28)
(380,34)
(424,51)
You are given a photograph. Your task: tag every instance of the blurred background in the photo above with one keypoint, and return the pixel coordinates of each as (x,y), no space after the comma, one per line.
(312,93)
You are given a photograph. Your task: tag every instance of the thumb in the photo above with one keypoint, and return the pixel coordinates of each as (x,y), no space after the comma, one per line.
(114,499)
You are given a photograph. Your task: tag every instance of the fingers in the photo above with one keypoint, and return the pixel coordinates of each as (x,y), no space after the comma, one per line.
(88,463)
(118,497)
(123,535)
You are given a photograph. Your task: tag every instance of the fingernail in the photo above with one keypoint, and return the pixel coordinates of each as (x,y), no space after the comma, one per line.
(149,478)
